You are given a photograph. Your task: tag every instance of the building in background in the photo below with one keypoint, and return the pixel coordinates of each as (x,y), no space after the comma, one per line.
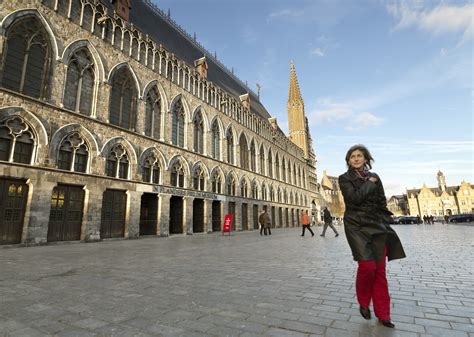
(441,200)
(332,195)
(116,123)
(397,204)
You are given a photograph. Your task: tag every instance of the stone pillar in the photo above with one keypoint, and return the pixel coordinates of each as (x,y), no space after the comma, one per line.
(40,207)
(103,101)
(249,216)
(163,225)
(92,213)
(132,217)
(238,215)
(208,215)
(188,215)
(140,125)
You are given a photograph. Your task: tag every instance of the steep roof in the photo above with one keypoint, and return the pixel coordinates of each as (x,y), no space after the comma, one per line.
(294,93)
(151,20)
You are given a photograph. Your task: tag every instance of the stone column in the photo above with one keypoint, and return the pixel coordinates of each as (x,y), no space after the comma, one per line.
(188,215)
(132,218)
(238,215)
(163,225)
(208,215)
(140,125)
(40,207)
(103,101)
(249,216)
(93,213)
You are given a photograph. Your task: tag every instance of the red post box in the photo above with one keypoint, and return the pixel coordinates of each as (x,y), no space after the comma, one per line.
(227,224)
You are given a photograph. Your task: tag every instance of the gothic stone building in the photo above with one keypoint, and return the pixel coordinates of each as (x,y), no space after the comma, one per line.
(441,200)
(332,195)
(114,122)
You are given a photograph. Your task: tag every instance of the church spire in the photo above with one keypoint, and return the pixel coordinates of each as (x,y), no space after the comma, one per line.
(294,94)
(297,122)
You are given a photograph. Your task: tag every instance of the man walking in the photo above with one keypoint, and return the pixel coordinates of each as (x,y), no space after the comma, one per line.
(305,223)
(264,220)
(328,222)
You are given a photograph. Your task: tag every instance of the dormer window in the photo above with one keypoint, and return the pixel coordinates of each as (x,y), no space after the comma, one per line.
(201,67)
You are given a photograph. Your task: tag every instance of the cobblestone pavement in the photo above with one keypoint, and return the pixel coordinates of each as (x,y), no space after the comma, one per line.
(243,285)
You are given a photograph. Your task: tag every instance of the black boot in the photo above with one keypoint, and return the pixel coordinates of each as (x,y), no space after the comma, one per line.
(387,323)
(365,312)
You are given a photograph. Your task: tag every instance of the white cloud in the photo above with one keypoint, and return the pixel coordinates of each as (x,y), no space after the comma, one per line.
(367,119)
(328,111)
(442,19)
(317,52)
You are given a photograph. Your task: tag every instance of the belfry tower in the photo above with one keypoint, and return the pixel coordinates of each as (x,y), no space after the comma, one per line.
(297,121)
(300,135)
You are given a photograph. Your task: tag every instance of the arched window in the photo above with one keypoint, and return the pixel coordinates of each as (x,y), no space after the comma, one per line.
(73,154)
(123,100)
(177,133)
(198,125)
(216,183)
(16,141)
(216,135)
(264,192)
(27,58)
(262,160)
(244,188)
(151,170)
(117,162)
(299,176)
(177,174)
(283,170)
(254,190)
(277,167)
(153,113)
(80,82)
(253,157)
(294,175)
(231,185)
(244,152)
(230,147)
(270,164)
(198,179)
(270,193)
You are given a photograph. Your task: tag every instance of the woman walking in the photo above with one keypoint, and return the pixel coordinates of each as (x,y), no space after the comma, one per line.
(370,237)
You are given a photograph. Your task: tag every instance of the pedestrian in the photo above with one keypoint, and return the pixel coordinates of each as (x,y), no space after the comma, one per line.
(368,232)
(264,220)
(313,220)
(305,223)
(446,218)
(328,222)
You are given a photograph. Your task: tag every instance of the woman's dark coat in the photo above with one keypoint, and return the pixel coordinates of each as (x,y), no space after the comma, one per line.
(367,219)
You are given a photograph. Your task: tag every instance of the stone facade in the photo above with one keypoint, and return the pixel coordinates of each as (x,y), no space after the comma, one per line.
(441,200)
(208,154)
(332,195)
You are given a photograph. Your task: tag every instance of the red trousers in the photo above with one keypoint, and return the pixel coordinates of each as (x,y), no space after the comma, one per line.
(371,284)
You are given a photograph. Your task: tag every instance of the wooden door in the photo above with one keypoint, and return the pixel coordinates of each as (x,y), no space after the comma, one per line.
(113,214)
(65,218)
(13,194)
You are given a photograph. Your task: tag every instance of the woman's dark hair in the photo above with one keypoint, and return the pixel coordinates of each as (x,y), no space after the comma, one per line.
(368,157)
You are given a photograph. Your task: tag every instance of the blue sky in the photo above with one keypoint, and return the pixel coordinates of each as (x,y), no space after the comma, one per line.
(396,76)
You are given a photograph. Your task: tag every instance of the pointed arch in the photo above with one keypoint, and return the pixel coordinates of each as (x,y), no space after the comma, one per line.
(85,43)
(24,13)
(120,66)
(125,143)
(176,158)
(39,129)
(65,130)
(161,91)
(153,150)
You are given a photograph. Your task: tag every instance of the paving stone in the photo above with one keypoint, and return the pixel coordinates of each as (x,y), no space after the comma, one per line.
(238,286)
